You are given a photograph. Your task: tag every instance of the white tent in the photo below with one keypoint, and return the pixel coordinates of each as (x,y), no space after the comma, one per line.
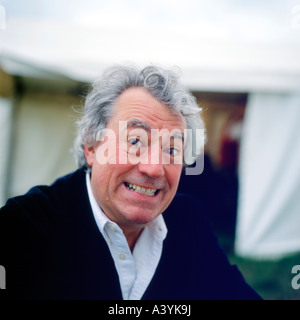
(222,46)
(269,206)
(219,45)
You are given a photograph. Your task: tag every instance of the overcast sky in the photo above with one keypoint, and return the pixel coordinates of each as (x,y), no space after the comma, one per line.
(234,20)
(78,37)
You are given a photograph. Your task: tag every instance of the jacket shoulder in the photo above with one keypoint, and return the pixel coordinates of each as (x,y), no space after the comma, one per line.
(41,203)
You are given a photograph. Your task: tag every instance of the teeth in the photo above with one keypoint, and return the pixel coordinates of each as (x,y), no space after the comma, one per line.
(139,189)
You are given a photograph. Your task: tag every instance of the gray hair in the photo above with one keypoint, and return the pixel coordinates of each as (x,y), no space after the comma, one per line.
(162,84)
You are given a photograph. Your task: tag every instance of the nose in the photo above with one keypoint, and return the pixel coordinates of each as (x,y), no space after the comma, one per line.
(153,167)
(151,170)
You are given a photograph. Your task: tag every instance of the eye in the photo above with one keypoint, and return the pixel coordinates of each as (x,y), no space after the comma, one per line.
(172,151)
(135,141)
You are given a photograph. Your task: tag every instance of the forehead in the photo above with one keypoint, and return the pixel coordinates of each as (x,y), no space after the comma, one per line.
(138,103)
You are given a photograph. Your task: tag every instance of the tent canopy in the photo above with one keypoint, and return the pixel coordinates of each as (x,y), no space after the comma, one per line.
(218,45)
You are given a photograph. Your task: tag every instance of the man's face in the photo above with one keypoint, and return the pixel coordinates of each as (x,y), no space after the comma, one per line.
(132,193)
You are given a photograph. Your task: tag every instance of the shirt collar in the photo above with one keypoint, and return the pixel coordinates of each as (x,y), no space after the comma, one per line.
(100,217)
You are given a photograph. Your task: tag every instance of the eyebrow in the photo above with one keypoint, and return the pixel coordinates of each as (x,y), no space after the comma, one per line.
(137,123)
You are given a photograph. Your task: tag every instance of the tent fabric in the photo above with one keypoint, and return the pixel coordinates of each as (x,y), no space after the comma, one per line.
(44,134)
(268,218)
(219,45)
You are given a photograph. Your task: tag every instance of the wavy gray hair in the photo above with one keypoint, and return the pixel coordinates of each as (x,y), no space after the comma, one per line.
(162,85)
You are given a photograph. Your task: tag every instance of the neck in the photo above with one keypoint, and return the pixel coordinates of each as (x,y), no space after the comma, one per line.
(132,236)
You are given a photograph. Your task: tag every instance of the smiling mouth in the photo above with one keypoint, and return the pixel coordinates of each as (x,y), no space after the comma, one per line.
(142,190)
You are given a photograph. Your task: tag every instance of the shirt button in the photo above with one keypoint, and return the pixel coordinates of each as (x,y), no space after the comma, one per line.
(122,256)
(112,227)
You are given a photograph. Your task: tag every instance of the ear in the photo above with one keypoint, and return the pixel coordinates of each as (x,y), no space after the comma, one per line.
(89,153)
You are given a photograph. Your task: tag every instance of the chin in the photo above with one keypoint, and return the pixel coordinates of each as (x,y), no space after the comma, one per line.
(141,218)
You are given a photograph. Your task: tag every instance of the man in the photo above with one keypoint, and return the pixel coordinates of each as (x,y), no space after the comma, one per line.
(114,229)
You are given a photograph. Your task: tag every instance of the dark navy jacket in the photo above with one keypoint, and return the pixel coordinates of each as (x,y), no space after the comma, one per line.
(51,248)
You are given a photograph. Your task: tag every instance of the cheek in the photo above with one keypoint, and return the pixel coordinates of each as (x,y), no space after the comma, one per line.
(100,178)
(122,156)
(173,174)
(111,177)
